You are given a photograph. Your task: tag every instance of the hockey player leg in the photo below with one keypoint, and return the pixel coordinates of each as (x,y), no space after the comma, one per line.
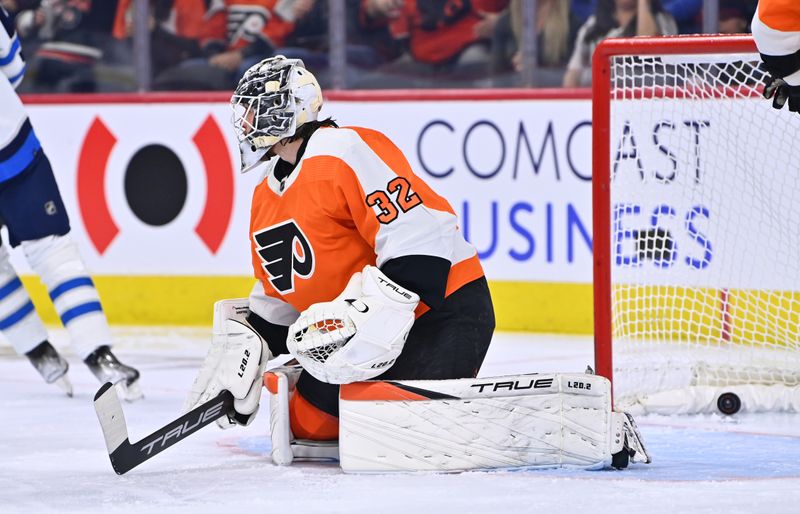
(23,328)
(280,382)
(57,262)
(560,420)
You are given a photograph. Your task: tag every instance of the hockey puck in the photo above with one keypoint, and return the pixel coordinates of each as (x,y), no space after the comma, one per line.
(729,403)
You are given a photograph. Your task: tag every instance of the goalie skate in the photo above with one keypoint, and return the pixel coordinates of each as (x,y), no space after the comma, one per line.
(632,448)
(51,366)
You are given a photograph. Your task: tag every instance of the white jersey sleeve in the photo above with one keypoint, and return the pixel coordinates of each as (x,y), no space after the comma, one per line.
(271,309)
(11,62)
(18,142)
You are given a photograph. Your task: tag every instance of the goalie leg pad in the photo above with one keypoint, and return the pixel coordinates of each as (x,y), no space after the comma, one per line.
(560,420)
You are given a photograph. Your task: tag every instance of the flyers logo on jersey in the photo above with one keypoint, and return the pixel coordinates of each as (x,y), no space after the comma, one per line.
(285,252)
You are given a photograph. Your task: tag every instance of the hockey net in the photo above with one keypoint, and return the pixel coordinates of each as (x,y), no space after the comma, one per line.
(697,227)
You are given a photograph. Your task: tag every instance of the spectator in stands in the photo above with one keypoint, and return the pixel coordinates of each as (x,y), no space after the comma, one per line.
(180,30)
(366,46)
(735,16)
(205,44)
(71,45)
(555,30)
(444,38)
(582,9)
(217,53)
(615,18)
(687,14)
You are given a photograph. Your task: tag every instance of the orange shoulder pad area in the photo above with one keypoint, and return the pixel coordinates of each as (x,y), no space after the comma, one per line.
(782,15)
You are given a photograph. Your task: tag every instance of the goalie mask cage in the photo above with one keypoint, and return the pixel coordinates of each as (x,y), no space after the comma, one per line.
(696,213)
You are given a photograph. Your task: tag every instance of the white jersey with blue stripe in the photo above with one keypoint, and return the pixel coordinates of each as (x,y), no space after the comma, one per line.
(11,62)
(18,142)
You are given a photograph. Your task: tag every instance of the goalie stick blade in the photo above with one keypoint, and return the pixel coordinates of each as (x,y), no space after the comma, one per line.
(112,419)
(125,455)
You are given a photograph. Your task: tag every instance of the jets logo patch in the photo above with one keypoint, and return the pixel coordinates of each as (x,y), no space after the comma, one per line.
(285,252)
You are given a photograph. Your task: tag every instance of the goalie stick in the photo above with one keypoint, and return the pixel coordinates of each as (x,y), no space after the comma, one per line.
(126,455)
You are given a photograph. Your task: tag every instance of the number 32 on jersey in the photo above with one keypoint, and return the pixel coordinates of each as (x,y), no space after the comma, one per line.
(386,208)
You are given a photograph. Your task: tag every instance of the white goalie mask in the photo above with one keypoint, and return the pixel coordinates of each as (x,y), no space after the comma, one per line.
(273,99)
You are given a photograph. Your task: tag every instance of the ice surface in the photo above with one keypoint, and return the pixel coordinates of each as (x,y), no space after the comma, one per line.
(53,459)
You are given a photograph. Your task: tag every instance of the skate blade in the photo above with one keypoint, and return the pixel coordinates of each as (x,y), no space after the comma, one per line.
(636,442)
(129,393)
(64,384)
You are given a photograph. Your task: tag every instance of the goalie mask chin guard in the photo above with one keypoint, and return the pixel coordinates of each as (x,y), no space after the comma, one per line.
(272,99)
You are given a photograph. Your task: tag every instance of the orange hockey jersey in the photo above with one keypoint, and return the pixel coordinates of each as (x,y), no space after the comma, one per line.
(776,30)
(351,200)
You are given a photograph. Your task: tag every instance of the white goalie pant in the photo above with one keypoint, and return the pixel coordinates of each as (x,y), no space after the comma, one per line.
(555,420)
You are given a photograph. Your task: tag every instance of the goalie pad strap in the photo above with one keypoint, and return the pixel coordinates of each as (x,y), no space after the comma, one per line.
(453,425)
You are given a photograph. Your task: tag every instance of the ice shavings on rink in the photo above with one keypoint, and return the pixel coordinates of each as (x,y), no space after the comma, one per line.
(53,459)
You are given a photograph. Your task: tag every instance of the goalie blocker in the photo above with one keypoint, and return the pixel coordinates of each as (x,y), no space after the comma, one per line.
(558,420)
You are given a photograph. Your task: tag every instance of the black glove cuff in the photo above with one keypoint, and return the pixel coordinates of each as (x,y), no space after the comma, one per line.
(274,335)
(782,65)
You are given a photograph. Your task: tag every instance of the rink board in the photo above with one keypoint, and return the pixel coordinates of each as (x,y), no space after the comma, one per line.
(188,300)
(514,165)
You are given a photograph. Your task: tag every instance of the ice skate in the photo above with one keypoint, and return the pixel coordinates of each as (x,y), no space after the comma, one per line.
(51,365)
(107,368)
(633,449)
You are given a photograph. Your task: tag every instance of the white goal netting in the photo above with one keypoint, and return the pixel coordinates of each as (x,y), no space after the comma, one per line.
(705,235)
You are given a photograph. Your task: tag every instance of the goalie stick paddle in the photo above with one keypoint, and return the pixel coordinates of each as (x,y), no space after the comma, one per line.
(126,455)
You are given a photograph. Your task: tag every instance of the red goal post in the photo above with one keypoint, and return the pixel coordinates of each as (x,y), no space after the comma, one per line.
(660,108)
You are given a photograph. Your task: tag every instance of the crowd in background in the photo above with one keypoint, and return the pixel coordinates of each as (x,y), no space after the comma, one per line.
(86,45)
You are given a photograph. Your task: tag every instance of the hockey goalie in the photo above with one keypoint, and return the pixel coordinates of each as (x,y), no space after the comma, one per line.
(366,280)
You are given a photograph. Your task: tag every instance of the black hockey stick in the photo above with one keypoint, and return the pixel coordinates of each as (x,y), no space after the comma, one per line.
(126,455)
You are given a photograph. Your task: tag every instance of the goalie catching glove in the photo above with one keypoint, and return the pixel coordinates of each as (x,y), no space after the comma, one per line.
(359,334)
(235,362)
(780,92)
